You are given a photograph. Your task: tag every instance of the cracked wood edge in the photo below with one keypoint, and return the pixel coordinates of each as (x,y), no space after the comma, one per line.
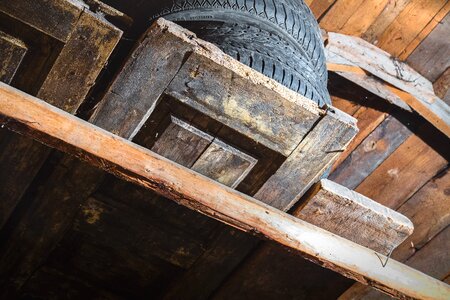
(395,90)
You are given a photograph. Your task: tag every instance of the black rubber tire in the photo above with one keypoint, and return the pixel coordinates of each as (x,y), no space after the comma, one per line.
(279,38)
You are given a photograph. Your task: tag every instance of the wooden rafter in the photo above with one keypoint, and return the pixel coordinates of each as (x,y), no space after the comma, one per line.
(391,79)
(28,115)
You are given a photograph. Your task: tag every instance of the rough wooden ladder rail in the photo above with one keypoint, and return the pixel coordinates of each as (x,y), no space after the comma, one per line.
(28,115)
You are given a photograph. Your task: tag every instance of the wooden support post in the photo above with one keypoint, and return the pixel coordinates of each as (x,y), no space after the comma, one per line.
(56,128)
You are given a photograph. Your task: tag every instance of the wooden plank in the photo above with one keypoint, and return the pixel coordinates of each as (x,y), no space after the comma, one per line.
(368,82)
(433,259)
(182,142)
(345,105)
(70,78)
(437,112)
(55,17)
(338,15)
(442,86)
(437,19)
(429,210)
(72,75)
(12,52)
(353,216)
(379,63)
(363,17)
(223,255)
(368,119)
(405,28)
(408,168)
(430,58)
(80,61)
(387,16)
(309,160)
(55,128)
(367,156)
(224,163)
(222,91)
(320,7)
(131,87)
(113,225)
(49,283)
(410,86)
(80,258)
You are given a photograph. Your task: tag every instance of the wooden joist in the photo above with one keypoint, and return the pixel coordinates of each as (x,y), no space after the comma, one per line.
(56,128)
(353,216)
(391,79)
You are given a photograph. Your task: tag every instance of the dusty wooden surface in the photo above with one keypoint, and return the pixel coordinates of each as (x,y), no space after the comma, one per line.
(88,44)
(408,85)
(13,51)
(306,164)
(34,117)
(85,42)
(370,153)
(348,214)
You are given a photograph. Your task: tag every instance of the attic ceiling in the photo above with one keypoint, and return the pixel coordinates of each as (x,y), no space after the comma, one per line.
(397,159)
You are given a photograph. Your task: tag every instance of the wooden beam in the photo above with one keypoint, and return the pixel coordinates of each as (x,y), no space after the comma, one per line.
(353,216)
(353,58)
(28,115)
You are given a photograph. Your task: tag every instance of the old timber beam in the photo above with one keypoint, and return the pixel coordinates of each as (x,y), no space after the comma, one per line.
(33,117)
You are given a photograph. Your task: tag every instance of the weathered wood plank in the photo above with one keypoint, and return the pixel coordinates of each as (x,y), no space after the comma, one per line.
(437,19)
(353,216)
(404,29)
(55,17)
(340,12)
(72,75)
(433,259)
(367,156)
(54,127)
(182,142)
(223,92)
(12,52)
(410,86)
(387,16)
(408,168)
(429,210)
(368,119)
(49,283)
(221,258)
(224,163)
(114,225)
(88,46)
(80,61)
(144,78)
(431,57)
(379,63)
(345,105)
(442,86)
(309,160)
(319,7)
(363,16)
(368,82)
